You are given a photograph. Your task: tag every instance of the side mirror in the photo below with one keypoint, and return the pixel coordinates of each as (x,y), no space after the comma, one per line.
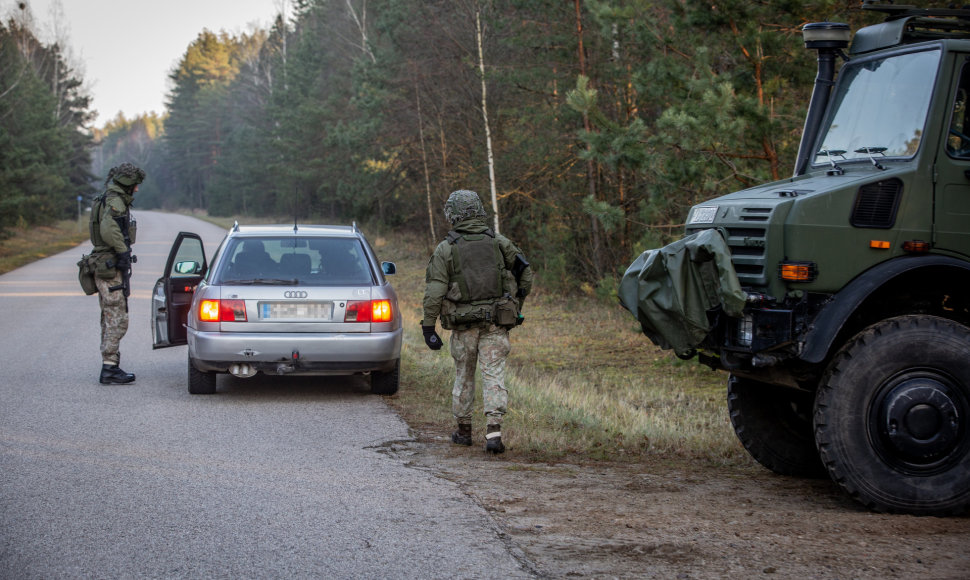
(188,267)
(388,268)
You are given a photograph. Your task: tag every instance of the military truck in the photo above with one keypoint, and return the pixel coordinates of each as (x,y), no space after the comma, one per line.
(839,299)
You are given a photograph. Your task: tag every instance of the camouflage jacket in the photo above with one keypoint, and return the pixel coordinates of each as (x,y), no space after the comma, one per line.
(108,210)
(440,276)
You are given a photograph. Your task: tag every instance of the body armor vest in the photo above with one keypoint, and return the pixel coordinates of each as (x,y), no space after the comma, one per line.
(476,260)
(125,222)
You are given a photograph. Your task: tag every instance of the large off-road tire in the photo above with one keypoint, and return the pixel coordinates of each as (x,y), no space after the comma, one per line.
(386,383)
(775,425)
(201,383)
(892,416)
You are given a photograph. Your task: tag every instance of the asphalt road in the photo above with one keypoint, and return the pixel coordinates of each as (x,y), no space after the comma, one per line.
(270,478)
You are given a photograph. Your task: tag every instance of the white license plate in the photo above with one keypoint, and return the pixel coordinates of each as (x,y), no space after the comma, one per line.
(292,310)
(704,214)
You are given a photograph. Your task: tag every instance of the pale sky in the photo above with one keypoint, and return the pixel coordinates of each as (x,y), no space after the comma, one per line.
(126,48)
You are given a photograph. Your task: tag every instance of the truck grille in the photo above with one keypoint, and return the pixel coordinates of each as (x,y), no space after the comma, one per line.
(748,253)
(746,237)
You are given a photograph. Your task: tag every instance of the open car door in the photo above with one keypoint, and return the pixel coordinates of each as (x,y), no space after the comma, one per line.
(172,297)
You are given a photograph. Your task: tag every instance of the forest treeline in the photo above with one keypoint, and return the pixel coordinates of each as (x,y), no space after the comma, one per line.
(591,126)
(45,139)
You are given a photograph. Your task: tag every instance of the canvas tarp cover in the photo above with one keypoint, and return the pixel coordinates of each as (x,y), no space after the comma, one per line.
(671,289)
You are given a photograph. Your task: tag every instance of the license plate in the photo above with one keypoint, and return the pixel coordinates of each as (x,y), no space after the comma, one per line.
(703,215)
(295,310)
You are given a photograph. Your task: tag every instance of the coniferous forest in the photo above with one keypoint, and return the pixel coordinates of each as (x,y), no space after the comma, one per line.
(588,127)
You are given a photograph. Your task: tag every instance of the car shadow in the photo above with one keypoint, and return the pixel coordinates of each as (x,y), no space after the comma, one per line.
(273,387)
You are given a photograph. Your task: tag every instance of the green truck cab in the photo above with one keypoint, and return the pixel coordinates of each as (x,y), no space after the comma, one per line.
(851,356)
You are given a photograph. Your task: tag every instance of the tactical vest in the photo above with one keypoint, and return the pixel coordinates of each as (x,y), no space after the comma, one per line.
(125,222)
(477,263)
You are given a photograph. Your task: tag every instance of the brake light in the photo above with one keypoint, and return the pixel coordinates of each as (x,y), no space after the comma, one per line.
(798,271)
(369,311)
(222,311)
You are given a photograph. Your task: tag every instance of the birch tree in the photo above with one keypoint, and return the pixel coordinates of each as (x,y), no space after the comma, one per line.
(488,129)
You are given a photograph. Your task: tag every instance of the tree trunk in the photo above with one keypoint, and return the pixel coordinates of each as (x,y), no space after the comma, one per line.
(488,131)
(424,162)
(590,168)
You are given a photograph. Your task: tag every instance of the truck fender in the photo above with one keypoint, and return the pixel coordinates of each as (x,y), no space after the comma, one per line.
(829,322)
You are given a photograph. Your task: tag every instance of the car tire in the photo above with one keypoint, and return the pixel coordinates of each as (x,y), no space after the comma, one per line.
(200,382)
(386,383)
(775,426)
(892,416)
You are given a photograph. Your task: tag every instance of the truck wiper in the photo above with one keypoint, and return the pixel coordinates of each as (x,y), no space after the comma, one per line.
(869,151)
(836,170)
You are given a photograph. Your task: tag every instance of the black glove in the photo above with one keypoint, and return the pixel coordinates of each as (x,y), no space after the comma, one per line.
(431,337)
(123,260)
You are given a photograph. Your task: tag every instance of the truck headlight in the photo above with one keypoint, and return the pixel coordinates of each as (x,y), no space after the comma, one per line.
(745,331)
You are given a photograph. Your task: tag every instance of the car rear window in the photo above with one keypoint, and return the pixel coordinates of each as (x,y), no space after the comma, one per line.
(298,261)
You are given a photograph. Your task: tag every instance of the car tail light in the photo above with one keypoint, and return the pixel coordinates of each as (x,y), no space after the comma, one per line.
(222,311)
(369,311)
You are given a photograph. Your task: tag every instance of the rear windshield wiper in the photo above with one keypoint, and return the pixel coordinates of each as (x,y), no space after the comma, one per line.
(268,281)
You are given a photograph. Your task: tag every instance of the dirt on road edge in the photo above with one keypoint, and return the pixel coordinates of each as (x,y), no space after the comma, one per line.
(663,518)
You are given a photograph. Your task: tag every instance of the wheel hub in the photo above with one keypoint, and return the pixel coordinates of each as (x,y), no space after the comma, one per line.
(920,418)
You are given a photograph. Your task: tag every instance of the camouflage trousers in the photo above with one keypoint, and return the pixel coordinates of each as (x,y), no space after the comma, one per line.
(114,319)
(487,347)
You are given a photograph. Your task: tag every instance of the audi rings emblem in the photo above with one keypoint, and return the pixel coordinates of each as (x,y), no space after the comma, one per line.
(295,294)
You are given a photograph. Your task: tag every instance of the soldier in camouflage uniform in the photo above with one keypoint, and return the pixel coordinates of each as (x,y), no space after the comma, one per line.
(476,282)
(112,233)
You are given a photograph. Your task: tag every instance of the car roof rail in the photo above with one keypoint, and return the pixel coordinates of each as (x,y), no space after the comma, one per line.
(235,226)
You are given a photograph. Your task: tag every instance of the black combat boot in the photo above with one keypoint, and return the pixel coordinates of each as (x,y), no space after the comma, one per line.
(463,436)
(493,439)
(113,375)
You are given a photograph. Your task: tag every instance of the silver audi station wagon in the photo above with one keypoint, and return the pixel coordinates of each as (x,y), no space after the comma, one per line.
(280,300)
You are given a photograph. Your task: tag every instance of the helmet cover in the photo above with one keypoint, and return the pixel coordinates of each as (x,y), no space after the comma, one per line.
(463,204)
(126,175)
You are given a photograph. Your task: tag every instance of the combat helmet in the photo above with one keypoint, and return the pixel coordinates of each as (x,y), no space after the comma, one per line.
(463,204)
(126,175)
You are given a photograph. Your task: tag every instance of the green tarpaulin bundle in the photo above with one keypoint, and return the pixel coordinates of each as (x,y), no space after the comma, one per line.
(670,290)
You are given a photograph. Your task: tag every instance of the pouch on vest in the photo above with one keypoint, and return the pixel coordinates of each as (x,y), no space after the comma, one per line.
(85,275)
(505,311)
(101,268)
(132,230)
(467,315)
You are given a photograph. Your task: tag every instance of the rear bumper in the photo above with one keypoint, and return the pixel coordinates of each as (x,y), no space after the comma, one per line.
(299,353)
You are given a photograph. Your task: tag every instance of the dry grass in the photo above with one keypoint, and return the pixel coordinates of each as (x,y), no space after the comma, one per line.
(583,382)
(32,243)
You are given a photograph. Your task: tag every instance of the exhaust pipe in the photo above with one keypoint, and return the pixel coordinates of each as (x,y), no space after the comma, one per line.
(242,370)
(828,38)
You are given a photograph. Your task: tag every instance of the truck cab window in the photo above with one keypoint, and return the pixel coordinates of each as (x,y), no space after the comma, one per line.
(958,137)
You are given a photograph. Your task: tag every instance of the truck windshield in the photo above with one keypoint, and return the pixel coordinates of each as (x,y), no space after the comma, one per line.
(880,108)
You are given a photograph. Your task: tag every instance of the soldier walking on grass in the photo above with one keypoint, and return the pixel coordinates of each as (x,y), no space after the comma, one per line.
(476,282)
(112,232)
